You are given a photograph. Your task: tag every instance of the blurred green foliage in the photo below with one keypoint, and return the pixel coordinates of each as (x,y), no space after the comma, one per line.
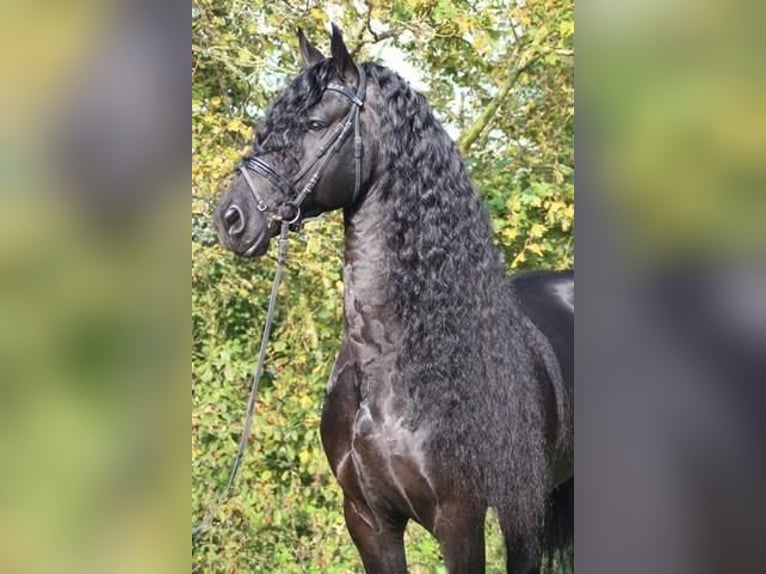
(500,75)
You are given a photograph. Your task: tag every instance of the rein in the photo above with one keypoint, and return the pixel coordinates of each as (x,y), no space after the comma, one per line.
(281,258)
(287,219)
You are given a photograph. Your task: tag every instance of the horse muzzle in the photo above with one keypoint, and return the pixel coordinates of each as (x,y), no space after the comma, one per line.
(244,231)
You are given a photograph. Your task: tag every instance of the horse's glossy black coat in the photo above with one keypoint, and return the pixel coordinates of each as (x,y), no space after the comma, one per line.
(445,399)
(547,297)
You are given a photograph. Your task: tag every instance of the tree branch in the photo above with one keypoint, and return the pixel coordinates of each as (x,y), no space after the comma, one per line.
(376,37)
(473,132)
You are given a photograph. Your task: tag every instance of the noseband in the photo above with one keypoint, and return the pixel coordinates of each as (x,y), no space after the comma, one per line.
(290,211)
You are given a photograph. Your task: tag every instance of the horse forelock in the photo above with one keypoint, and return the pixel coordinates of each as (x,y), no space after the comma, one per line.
(283,127)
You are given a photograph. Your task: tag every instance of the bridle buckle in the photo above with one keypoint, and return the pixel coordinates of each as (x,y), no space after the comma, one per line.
(284,212)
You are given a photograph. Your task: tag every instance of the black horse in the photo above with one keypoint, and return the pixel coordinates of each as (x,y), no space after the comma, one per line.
(445,398)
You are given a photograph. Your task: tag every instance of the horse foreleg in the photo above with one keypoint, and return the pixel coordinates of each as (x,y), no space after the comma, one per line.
(520,556)
(521,561)
(382,548)
(460,532)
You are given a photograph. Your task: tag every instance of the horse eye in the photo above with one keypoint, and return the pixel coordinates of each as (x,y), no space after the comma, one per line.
(316,125)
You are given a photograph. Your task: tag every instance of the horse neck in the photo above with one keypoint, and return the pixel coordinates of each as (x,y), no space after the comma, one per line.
(371,329)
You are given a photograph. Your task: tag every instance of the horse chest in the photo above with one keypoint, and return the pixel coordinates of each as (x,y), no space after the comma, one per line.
(380,463)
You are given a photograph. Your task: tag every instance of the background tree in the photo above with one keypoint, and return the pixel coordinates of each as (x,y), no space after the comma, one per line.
(500,75)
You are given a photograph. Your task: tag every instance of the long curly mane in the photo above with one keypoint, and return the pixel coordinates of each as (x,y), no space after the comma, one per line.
(469,356)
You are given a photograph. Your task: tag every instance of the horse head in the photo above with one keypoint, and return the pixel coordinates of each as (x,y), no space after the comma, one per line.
(308,156)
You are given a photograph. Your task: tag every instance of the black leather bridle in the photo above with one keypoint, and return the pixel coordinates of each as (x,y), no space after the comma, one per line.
(290,211)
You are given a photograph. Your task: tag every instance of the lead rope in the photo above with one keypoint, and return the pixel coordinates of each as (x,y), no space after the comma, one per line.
(210,514)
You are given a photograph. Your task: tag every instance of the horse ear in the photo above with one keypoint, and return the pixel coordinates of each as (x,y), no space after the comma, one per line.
(343,62)
(309,53)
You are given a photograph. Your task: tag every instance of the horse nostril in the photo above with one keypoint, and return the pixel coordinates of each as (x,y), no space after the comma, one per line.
(234,220)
